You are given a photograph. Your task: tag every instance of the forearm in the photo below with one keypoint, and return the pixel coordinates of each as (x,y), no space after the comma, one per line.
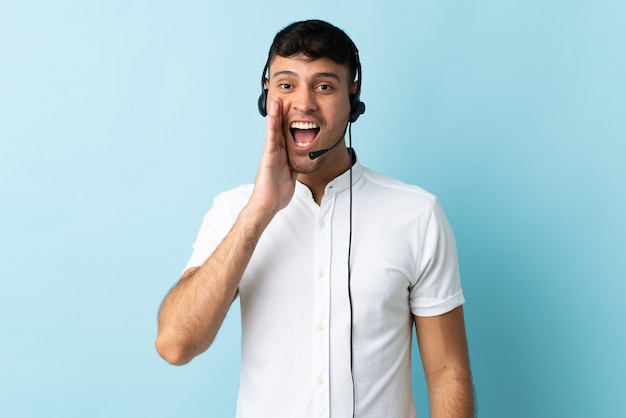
(193,311)
(451,395)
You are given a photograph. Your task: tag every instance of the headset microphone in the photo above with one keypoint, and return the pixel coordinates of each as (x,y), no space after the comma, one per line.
(315,154)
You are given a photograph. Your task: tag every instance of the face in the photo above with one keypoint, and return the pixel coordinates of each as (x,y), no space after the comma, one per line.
(316,106)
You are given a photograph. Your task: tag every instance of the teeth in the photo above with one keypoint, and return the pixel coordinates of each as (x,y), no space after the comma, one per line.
(304,125)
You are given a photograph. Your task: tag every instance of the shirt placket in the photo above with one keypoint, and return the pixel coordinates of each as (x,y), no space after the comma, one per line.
(322,309)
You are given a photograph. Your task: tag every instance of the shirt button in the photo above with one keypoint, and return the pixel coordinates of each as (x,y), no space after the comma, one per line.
(320,328)
(320,381)
(320,274)
(322,223)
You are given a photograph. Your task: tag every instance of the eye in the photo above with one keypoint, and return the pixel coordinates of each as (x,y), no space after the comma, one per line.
(284,86)
(325,87)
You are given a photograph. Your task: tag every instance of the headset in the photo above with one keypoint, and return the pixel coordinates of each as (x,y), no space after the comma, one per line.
(357,107)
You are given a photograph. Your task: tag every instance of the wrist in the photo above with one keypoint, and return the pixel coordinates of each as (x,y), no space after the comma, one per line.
(257,215)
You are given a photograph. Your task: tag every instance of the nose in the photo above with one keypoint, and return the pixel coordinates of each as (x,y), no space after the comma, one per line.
(304,100)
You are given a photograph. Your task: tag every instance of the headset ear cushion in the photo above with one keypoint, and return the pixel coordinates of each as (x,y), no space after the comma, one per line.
(262,103)
(357,108)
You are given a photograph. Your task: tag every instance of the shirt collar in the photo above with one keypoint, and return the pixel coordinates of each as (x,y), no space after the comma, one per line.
(339,183)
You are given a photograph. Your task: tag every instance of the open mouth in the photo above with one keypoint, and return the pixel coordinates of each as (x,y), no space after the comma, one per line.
(304,133)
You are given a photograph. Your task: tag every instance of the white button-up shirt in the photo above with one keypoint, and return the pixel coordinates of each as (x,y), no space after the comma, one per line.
(296,315)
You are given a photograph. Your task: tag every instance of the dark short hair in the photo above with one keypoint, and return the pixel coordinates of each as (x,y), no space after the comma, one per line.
(315,39)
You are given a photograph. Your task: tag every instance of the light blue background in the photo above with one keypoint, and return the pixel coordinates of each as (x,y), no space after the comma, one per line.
(120,120)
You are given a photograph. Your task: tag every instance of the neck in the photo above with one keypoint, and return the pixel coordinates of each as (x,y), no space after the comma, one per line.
(317,180)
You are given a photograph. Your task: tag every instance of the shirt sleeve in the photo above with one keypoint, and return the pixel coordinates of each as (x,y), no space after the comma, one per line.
(216,224)
(438,286)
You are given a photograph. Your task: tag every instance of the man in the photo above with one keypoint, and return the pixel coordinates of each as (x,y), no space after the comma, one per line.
(332,262)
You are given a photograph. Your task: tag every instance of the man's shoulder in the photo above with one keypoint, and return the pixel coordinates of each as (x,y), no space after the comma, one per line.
(397,187)
(244,190)
(233,199)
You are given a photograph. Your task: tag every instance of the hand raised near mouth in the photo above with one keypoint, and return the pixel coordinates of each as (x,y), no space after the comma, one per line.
(275,181)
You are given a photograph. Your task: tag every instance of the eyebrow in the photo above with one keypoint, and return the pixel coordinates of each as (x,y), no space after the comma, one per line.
(316,75)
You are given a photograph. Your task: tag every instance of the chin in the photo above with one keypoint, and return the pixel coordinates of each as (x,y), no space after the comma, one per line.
(302,164)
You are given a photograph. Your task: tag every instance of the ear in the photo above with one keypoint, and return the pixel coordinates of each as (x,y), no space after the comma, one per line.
(353,88)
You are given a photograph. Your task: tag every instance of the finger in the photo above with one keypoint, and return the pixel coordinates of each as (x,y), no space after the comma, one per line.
(274,134)
(275,107)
